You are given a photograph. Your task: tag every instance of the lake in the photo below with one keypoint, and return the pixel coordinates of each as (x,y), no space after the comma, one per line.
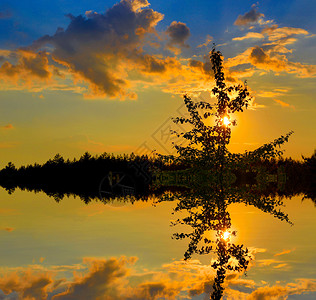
(73,250)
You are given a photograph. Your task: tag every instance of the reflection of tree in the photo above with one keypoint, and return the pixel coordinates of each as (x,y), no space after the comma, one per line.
(206,209)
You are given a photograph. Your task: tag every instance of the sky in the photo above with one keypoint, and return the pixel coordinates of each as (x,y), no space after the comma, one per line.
(106,76)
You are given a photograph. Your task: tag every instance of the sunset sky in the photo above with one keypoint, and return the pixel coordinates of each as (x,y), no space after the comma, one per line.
(100,76)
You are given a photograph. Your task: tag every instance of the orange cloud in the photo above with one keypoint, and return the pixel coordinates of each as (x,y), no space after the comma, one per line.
(107,55)
(283,104)
(282,34)
(284,252)
(207,41)
(270,61)
(30,66)
(249,35)
(267,262)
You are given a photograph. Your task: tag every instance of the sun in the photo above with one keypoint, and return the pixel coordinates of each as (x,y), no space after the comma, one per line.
(226,235)
(226,121)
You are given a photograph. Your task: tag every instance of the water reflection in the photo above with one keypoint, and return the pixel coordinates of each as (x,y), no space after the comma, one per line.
(205,206)
(202,207)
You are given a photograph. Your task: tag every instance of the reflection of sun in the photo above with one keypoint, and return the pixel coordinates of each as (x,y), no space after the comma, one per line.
(226,121)
(226,235)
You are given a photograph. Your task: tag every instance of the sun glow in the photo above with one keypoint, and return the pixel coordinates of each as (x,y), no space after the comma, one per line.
(226,121)
(226,235)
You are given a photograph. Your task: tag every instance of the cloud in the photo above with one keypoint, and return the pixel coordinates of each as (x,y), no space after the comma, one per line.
(178,33)
(207,41)
(106,55)
(99,49)
(203,67)
(274,93)
(269,60)
(283,34)
(267,262)
(283,104)
(249,18)
(272,49)
(102,49)
(30,66)
(118,52)
(301,286)
(275,264)
(249,35)
(284,252)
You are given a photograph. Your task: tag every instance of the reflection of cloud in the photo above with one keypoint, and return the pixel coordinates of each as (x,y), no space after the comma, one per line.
(102,279)
(114,279)
(282,292)
(28,284)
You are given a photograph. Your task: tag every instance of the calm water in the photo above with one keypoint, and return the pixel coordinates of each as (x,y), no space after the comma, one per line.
(72,250)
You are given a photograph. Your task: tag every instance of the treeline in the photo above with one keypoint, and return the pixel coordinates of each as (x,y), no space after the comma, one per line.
(106,176)
(85,177)
(299,176)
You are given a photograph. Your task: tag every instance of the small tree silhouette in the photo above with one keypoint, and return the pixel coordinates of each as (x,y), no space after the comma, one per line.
(206,145)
